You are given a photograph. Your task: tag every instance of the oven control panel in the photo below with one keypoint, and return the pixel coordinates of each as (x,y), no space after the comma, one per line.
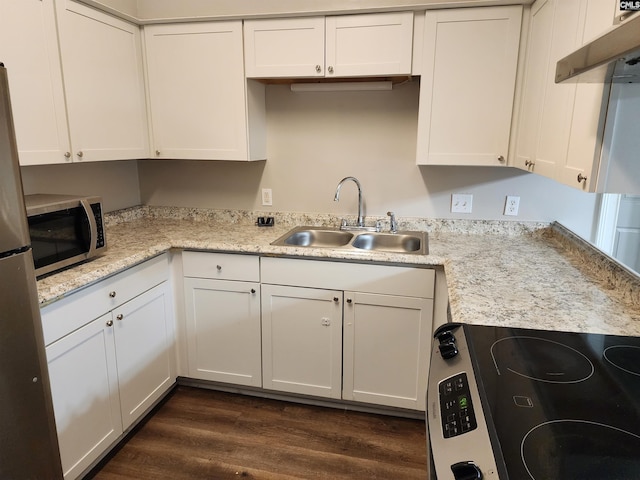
(456,408)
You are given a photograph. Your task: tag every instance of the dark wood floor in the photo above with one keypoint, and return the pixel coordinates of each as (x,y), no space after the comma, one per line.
(203,434)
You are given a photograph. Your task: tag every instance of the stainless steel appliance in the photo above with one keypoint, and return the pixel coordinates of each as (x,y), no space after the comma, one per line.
(64,230)
(507,403)
(28,441)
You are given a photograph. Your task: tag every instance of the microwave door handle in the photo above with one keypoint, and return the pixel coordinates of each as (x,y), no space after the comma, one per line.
(93,227)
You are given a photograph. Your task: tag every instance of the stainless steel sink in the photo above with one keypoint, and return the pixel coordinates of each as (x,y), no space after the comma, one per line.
(321,237)
(389,242)
(318,238)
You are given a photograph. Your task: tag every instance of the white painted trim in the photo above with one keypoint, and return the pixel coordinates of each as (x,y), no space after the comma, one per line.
(607,222)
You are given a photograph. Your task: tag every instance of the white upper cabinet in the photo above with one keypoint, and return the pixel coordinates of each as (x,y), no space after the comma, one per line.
(201,106)
(469,62)
(29,50)
(104,84)
(336,46)
(560,125)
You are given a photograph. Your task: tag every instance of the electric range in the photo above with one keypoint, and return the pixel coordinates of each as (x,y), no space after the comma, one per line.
(509,403)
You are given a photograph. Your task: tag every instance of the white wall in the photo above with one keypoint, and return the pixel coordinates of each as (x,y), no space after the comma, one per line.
(315,139)
(115,182)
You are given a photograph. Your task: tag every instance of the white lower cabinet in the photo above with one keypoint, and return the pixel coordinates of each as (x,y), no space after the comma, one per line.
(107,370)
(302,340)
(222,310)
(366,340)
(386,342)
(84,388)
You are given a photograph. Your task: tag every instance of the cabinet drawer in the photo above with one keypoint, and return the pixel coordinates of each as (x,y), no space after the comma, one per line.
(221,266)
(383,279)
(72,312)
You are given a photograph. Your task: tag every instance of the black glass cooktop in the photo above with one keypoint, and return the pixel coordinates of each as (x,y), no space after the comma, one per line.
(563,405)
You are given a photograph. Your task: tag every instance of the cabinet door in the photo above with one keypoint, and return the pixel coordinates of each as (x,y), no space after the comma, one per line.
(29,50)
(560,124)
(223,331)
(369,44)
(284,47)
(104,84)
(302,340)
(84,388)
(386,349)
(197,90)
(144,348)
(466,89)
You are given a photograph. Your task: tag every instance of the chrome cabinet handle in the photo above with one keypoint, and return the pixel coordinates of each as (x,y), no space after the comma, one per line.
(529,163)
(581,178)
(67,155)
(336,299)
(80,154)
(318,69)
(253,290)
(349,300)
(109,323)
(219,267)
(500,158)
(112,294)
(330,69)
(119,316)
(157,153)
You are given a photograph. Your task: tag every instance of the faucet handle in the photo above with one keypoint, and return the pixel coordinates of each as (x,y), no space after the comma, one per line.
(393,227)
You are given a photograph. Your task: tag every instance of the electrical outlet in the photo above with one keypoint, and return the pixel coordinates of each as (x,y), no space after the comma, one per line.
(267,197)
(511,205)
(461,203)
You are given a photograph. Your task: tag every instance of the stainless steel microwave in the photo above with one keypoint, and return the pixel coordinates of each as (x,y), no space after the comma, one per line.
(64,230)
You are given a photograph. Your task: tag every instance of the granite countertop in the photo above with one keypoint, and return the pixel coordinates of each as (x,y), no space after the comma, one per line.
(498,273)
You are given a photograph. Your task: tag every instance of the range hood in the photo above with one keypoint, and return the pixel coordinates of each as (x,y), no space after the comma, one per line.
(612,57)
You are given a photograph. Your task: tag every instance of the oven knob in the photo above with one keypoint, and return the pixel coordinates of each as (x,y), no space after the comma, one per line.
(466,471)
(448,350)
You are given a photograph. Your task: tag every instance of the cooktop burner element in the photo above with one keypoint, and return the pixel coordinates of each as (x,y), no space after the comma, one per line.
(625,357)
(541,360)
(581,450)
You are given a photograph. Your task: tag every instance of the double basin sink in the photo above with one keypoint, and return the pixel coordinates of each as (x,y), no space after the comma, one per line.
(322,237)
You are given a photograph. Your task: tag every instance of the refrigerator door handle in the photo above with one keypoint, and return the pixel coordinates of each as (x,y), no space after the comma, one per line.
(93,227)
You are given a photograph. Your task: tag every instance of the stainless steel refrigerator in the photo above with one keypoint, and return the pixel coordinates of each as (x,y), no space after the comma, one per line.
(28,440)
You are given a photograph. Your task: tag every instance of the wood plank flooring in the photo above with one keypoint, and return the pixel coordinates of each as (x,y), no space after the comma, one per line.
(204,434)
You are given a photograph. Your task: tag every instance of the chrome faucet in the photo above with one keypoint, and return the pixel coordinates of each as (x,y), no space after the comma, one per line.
(337,197)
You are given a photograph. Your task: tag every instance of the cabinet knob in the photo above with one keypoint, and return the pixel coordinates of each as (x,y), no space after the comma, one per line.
(336,299)
(330,69)
(318,69)
(529,163)
(157,153)
(119,316)
(253,290)
(67,155)
(500,158)
(581,178)
(349,300)
(112,294)
(80,154)
(219,267)
(109,323)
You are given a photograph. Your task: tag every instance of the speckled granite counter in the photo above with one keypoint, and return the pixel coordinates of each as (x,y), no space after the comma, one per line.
(498,273)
